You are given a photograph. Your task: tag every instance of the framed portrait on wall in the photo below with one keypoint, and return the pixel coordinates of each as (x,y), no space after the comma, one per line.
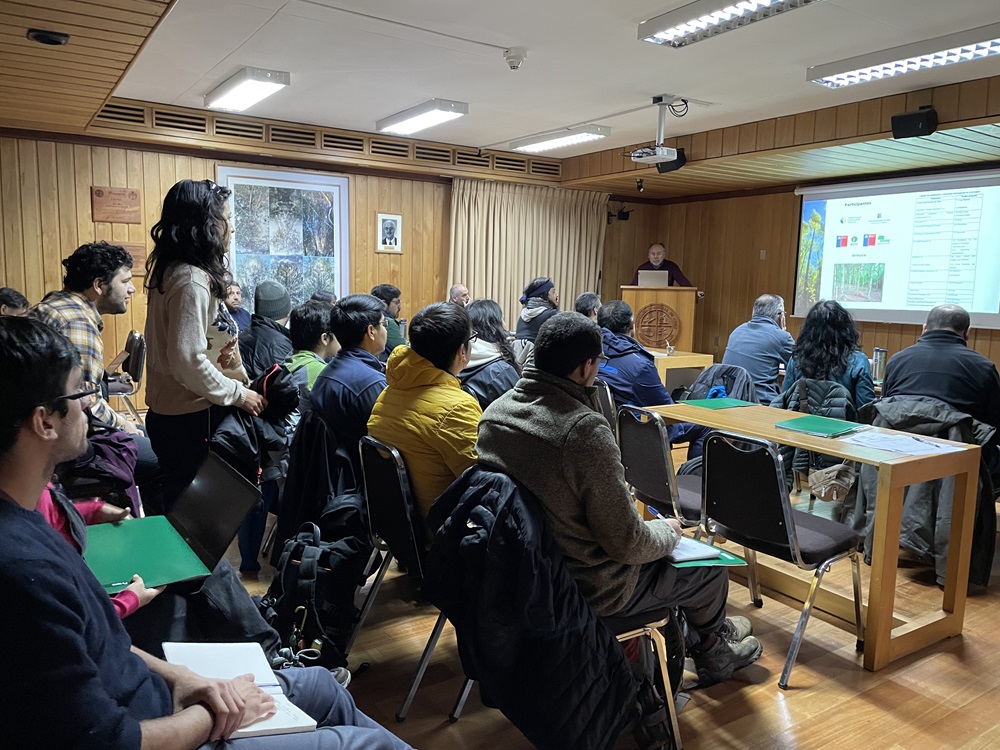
(289,227)
(389,233)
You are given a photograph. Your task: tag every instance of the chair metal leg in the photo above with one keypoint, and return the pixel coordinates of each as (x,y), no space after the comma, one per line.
(132,410)
(463,695)
(858,616)
(422,667)
(660,645)
(800,629)
(369,601)
(752,583)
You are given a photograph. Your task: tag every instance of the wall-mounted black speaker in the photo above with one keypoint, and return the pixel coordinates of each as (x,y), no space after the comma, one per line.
(913,124)
(672,166)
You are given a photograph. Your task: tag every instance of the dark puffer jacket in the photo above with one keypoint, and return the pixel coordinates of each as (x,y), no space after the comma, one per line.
(489,381)
(926,525)
(263,345)
(539,651)
(825,399)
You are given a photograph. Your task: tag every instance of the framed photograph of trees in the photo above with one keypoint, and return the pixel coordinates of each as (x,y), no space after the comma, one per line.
(289,227)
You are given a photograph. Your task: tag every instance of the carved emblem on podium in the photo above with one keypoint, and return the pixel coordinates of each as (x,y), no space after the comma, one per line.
(655,324)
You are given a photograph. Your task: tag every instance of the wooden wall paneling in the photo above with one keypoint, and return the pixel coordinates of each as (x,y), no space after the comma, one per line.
(48,189)
(825,126)
(31,217)
(869,116)
(10,206)
(972,99)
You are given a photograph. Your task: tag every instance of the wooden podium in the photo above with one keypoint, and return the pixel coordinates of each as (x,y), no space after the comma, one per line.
(663,313)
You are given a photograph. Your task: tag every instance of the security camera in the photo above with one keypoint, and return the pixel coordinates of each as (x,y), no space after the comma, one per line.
(514,57)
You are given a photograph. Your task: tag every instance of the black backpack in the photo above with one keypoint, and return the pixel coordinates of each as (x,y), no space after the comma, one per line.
(311,599)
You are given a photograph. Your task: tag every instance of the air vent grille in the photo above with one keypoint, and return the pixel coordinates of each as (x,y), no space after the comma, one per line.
(179,121)
(546,168)
(510,163)
(422,152)
(293,136)
(251,131)
(341,142)
(122,113)
(472,159)
(398,149)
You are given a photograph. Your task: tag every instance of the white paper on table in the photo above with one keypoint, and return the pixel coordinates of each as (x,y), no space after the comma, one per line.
(906,444)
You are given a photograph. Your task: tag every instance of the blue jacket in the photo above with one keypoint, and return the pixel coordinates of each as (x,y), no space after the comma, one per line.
(857,378)
(630,371)
(344,394)
(759,346)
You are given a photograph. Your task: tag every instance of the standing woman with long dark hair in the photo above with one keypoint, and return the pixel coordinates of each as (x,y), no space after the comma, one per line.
(193,358)
(827,349)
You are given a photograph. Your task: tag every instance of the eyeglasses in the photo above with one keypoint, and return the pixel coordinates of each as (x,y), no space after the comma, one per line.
(385,324)
(78,395)
(603,357)
(473,338)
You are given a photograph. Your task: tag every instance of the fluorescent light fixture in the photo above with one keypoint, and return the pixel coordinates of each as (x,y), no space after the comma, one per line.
(561,139)
(973,44)
(707,18)
(246,88)
(423,116)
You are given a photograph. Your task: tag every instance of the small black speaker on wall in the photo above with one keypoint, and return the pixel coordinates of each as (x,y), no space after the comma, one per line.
(913,124)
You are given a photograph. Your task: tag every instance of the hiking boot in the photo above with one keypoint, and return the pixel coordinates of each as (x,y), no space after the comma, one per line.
(723,658)
(735,629)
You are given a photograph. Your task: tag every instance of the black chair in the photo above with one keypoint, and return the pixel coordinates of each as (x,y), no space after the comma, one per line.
(745,499)
(126,383)
(649,467)
(395,519)
(607,404)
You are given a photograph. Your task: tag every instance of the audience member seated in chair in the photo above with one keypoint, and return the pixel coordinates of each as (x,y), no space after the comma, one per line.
(346,390)
(492,368)
(108,693)
(761,345)
(630,372)
(424,412)
(827,349)
(548,435)
(540,301)
(312,345)
(98,282)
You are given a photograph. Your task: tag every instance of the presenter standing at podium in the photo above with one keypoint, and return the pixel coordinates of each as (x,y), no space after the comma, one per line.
(658,262)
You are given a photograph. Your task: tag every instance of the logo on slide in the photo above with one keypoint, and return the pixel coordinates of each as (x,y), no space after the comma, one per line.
(869,240)
(841,240)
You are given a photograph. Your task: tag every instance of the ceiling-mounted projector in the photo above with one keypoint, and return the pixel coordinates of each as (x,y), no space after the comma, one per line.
(654,155)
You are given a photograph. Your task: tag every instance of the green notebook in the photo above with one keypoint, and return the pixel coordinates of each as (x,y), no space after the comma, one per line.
(718,403)
(819,426)
(149,546)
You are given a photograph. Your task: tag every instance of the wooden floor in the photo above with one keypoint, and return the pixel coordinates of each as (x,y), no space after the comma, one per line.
(943,697)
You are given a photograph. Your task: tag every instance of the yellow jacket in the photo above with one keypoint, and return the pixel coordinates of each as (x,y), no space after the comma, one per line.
(429,419)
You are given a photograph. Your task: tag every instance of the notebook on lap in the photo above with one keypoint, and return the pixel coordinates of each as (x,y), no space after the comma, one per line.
(188,543)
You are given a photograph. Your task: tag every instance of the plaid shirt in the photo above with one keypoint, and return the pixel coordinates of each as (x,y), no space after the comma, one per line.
(76,317)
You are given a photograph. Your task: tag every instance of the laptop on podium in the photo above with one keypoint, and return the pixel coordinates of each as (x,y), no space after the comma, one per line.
(654,278)
(185,544)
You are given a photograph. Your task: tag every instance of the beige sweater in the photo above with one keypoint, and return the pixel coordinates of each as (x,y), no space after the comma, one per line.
(547,434)
(192,355)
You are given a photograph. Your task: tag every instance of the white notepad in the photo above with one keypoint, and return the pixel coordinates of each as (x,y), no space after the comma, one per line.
(229,660)
(688,549)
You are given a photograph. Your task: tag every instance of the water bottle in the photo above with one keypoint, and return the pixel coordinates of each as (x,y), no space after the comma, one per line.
(878,363)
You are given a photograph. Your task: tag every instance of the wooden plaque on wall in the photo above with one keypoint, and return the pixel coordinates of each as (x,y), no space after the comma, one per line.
(116,205)
(138,252)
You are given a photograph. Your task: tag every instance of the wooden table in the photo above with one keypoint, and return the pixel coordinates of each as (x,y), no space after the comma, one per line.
(887,636)
(679,360)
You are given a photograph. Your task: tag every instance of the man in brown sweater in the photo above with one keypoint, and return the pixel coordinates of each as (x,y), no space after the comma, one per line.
(548,434)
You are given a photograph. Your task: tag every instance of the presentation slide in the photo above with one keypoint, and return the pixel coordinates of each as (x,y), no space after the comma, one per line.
(892,253)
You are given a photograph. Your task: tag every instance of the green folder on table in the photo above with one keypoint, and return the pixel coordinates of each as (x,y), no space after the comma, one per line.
(718,403)
(819,426)
(186,544)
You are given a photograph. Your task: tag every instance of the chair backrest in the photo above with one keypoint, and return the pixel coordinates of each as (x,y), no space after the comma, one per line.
(649,467)
(135,363)
(392,513)
(736,380)
(743,489)
(607,404)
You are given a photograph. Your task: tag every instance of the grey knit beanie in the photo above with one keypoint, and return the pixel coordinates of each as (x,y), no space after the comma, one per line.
(271,300)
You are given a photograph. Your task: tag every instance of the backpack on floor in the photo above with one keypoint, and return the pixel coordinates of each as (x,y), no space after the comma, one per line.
(311,599)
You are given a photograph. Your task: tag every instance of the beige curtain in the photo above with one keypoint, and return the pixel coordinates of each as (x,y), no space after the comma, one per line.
(503,235)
